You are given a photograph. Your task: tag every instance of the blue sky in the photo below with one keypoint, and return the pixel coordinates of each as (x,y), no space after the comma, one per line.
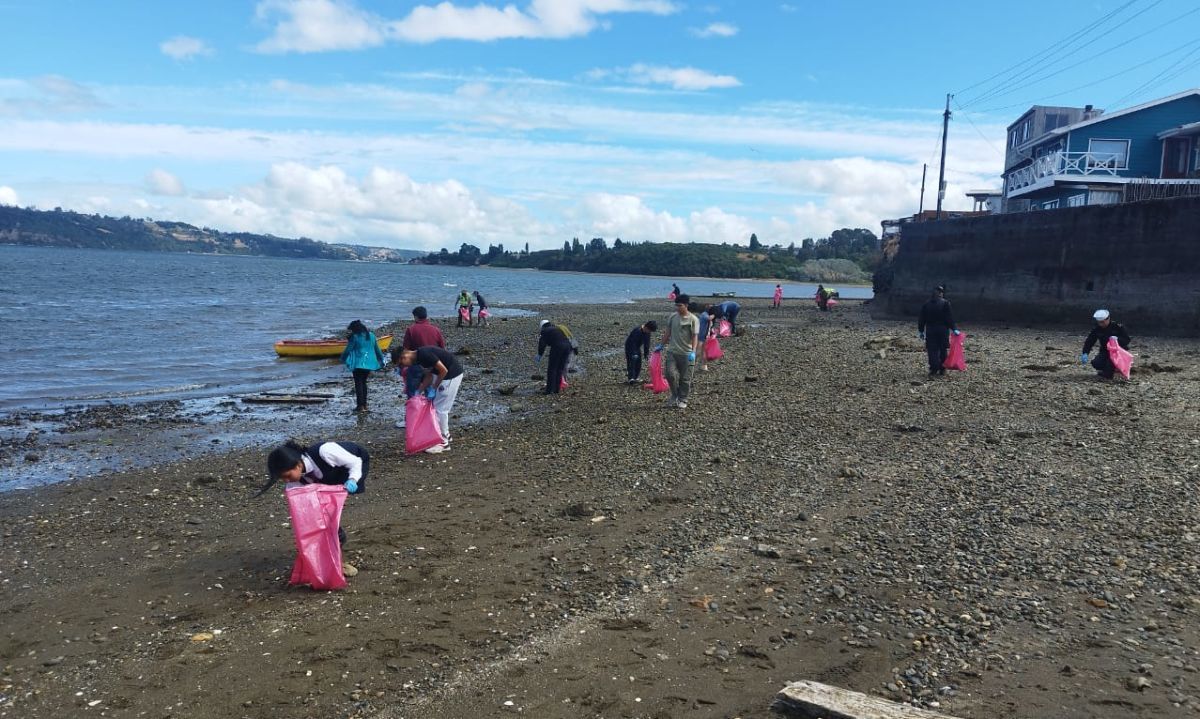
(419,125)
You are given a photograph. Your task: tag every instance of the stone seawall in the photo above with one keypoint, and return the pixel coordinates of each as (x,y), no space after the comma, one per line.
(1140,260)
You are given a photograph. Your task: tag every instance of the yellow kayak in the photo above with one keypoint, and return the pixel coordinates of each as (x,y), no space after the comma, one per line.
(321,348)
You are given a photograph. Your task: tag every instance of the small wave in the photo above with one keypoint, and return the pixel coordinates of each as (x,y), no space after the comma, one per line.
(149,392)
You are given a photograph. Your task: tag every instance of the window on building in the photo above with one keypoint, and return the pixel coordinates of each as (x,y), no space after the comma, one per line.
(1050,205)
(1077,200)
(1108,153)
(1104,197)
(1055,120)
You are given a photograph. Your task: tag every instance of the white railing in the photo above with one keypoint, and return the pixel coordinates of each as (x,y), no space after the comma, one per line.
(1057,164)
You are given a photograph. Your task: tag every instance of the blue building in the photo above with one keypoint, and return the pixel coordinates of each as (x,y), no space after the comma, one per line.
(1070,157)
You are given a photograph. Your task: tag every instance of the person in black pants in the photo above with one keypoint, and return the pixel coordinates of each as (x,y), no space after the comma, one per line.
(1104,329)
(344,463)
(637,347)
(934,325)
(558,339)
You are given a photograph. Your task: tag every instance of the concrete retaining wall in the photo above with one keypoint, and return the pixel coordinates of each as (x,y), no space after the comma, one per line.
(1140,260)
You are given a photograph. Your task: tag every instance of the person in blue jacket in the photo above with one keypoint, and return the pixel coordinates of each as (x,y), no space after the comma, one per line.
(361,357)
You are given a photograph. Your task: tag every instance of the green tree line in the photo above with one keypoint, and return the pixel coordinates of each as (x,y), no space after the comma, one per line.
(847,255)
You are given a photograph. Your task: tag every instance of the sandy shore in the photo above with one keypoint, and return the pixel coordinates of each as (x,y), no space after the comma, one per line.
(1018,540)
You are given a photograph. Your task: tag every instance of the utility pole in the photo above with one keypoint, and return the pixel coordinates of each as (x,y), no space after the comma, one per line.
(921,207)
(942,168)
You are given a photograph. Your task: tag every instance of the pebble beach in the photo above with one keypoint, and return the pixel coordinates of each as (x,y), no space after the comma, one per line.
(1017,540)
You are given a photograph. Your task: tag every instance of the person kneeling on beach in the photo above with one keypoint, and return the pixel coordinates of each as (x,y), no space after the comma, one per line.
(443,375)
(637,347)
(1104,329)
(344,463)
(679,362)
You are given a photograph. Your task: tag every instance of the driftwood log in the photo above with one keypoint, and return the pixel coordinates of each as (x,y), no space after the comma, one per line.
(812,700)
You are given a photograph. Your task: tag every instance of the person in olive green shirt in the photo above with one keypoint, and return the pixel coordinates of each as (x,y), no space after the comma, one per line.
(681,338)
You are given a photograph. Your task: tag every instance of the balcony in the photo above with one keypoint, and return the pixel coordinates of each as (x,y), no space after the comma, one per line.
(1047,168)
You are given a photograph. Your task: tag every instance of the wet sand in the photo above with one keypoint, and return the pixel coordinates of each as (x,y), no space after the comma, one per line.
(1018,540)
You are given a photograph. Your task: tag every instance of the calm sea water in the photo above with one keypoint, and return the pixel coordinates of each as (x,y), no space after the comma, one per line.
(97,325)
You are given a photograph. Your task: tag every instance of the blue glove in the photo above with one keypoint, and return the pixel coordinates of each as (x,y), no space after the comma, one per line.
(537,360)
(921,335)
(1083,358)
(691,356)
(957,333)
(658,347)
(430,391)
(351,486)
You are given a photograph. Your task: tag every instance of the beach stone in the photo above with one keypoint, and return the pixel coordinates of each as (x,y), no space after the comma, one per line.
(31,457)
(766,550)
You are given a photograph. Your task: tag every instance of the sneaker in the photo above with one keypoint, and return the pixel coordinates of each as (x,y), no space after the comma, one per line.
(681,405)
(436,449)
(400,424)
(349,570)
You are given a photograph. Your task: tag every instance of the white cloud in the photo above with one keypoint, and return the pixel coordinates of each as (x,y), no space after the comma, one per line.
(679,78)
(161,182)
(182,47)
(49,94)
(323,25)
(716,29)
(8,196)
(318,26)
(382,207)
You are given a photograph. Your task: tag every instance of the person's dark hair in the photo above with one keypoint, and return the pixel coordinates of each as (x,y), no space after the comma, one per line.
(652,326)
(419,312)
(682,300)
(712,310)
(283,458)
(357,327)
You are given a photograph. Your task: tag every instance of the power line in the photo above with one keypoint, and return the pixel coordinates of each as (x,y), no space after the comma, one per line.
(1099,54)
(1159,78)
(1030,77)
(1049,49)
(1093,83)
(977,130)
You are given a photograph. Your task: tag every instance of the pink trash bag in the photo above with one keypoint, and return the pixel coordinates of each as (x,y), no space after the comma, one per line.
(712,349)
(831,302)
(464,314)
(316,511)
(562,383)
(658,383)
(1121,358)
(724,329)
(483,312)
(421,429)
(955,358)
(671,296)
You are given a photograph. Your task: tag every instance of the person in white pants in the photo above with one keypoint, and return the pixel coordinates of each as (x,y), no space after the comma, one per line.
(443,375)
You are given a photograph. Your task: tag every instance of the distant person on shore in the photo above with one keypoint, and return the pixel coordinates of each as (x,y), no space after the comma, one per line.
(483,313)
(934,325)
(777,300)
(1104,329)
(708,328)
(421,333)
(637,348)
(556,338)
(823,295)
(462,307)
(680,339)
(443,376)
(675,291)
(730,311)
(361,357)
(332,463)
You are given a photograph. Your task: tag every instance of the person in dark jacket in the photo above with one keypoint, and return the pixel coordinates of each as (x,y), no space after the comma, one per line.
(443,374)
(1104,329)
(558,339)
(344,463)
(637,348)
(730,311)
(421,333)
(934,325)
